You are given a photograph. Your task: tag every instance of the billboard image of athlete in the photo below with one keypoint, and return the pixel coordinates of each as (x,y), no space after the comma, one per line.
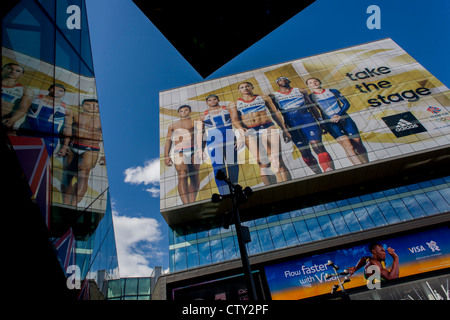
(297,111)
(250,114)
(183,155)
(333,107)
(13,92)
(44,116)
(81,149)
(377,260)
(220,141)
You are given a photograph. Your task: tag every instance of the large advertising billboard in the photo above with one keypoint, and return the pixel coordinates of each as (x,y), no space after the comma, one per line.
(51,116)
(301,118)
(395,258)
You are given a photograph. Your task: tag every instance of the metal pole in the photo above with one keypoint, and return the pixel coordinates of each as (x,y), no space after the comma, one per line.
(243,249)
(345,295)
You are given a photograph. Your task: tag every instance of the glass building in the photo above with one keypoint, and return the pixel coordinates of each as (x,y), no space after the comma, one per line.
(51,122)
(137,288)
(210,244)
(334,225)
(129,289)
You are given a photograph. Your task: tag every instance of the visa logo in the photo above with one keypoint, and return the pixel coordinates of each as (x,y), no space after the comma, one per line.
(417,249)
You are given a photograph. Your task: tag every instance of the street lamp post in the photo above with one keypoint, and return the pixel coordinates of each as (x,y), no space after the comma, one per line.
(238,196)
(340,284)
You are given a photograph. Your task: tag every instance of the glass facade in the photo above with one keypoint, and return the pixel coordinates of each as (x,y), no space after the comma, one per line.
(129,289)
(51,114)
(322,219)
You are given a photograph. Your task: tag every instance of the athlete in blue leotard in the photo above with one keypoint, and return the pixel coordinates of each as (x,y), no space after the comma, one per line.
(294,104)
(220,142)
(45,117)
(333,106)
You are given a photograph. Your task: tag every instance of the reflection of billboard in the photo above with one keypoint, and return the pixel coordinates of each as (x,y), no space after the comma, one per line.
(296,119)
(416,253)
(52,119)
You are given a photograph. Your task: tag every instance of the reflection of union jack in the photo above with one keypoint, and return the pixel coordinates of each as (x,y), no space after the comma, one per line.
(35,162)
(433,109)
(84,292)
(65,248)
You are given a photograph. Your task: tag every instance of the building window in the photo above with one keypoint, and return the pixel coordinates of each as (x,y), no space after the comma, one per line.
(316,222)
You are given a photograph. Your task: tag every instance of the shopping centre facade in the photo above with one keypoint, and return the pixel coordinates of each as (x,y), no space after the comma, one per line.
(56,184)
(394,190)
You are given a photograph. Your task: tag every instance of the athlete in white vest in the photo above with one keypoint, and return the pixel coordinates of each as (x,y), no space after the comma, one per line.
(251,115)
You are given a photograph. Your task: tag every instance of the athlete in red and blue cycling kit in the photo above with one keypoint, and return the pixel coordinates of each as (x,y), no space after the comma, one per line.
(294,105)
(333,107)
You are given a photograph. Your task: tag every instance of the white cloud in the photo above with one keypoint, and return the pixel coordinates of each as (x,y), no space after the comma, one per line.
(153,191)
(137,243)
(148,174)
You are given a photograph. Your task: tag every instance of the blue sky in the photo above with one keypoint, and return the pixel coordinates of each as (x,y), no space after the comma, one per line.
(133,62)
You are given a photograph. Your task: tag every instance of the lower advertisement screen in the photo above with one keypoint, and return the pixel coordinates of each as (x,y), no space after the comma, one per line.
(370,265)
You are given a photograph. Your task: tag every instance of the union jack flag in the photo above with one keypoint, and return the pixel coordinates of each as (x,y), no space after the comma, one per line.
(84,293)
(433,109)
(65,248)
(35,161)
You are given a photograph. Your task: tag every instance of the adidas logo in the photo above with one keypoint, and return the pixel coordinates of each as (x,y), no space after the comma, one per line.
(403,125)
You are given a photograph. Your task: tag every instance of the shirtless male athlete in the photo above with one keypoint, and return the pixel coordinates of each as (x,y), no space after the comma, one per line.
(181,133)
(251,116)
(81,149)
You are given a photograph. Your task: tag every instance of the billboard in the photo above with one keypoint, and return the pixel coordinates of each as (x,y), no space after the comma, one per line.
(51,116)
(396,258)
(298,119)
